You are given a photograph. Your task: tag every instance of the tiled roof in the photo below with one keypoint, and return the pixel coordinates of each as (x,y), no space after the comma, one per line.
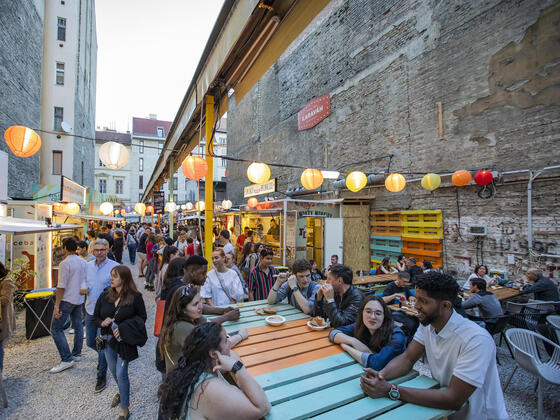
(149,127)
(103,136)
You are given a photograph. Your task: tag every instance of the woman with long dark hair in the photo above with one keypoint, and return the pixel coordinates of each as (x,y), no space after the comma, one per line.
(384,267)
(196,389)
(121,315)
(249,259)
(169,253)
(373,340)
(400,265)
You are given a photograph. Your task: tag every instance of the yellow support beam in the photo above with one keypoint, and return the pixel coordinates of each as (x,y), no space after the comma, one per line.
(209,183)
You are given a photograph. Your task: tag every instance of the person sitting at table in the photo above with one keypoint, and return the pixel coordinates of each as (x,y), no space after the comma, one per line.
(480,272)
(385,267)
(413,269)
(486,302)
(427,266)
(543,288)
(460,354)
(397,288)
(298,288)
(222,285)
(316,274)
(338,300)
(195,387)
(400,265)
(373,340)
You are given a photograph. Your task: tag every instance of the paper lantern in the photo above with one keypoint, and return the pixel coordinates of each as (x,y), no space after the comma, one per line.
(483,177)
(194,167)
(123,212)
(395,182)
(106,208)
(431,181)
(226,204)
(461,178)
(129,209)
(200,205)
(190,206)
(113,155)
(72,208)
(117,212)
(356,180)
(258,173)
(22,141)
(140,208)
(252,202)
(150,209)
(311,179)
(183,206)
(170,207)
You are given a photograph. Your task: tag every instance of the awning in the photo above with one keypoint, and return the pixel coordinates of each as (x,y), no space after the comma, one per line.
(90,217)
(15,226)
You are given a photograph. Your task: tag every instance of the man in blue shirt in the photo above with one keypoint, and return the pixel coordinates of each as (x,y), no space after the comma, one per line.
(98,279)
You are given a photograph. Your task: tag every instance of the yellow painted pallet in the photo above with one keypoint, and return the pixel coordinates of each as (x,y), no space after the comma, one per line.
(424,218)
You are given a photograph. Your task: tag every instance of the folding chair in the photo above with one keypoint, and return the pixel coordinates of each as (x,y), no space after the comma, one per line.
(49,293)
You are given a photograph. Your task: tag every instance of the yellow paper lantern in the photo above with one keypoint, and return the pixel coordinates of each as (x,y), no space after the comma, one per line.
(72,208)
(431,181)
(194,167)
(200,205)
(113,155)
(106,208)
(311,179)
(395,182)
(252,202)
(150,209)
(258,173)
(140,208)
(356,180)
(22,141)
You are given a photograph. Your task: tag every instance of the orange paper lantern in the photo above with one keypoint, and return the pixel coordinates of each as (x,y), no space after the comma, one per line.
(252,202)
(22,141)
(194,168)
(395,182)
(311,179)
(123,212)
(150,209)
(461,178)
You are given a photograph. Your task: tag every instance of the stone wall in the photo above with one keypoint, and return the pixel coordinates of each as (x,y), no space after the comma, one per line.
(495,67)
(21,53)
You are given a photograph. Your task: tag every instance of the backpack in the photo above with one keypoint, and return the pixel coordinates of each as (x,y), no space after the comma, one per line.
(246,266)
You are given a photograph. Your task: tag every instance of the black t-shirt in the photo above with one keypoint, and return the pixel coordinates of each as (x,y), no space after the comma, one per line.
(142,243)
(392,288)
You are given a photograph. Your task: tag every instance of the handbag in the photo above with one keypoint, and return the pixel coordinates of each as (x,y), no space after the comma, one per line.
(224,287)
(160,311)
(101,340)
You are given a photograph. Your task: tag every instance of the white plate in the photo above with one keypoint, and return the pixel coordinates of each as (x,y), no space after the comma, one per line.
(275,323)
(313,327)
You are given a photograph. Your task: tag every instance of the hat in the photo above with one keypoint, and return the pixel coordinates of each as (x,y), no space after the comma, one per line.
(412,260)
(195,260)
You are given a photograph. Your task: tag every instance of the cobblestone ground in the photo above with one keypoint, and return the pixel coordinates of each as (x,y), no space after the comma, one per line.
(34,393)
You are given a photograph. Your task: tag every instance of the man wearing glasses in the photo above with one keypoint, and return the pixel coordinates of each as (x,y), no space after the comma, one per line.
(98,279)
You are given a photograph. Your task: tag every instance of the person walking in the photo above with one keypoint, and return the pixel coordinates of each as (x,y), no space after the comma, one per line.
(132,244)
(68,304)
(141,250)
(7,320)
(121,314)
(98,279)
(118,245)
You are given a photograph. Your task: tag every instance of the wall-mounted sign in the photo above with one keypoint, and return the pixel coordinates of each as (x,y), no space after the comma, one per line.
(72,192)
(158,201)
(314,112)
(259,189)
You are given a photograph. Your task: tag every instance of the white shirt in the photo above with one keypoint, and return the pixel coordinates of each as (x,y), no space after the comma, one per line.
(229,248)
(212,288)
(466,351)
(467,285)
(71,275)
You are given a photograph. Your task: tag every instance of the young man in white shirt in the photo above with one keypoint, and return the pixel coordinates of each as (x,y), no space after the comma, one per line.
(461,356)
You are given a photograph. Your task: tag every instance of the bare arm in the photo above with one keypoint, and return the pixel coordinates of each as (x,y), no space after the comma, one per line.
(207,302)
(402,364)
(342,338)
(356,354)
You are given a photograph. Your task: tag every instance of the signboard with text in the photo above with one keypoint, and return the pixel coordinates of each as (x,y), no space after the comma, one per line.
(72,192)
(314,112)
(159,202)
(259,189)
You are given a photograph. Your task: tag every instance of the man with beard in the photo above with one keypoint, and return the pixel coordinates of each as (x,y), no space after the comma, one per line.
(461,356)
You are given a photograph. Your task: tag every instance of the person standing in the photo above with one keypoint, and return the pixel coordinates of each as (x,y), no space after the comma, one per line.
(107,235)
(223,238)
(222,285)
(68,304)
(118,245)
(241,242)
(262,277)
(121,314)
(141,251)
(98,279)
(7,318)
(131,244)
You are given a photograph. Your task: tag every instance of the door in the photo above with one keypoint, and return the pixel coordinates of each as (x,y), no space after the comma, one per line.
(334,240)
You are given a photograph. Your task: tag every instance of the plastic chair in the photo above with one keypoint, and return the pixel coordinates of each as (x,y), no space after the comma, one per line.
(525,353)
(554,320)
(527,315)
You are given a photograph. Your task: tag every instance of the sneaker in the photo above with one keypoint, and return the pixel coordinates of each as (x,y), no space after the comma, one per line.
(62,366)
(77,358)
(71,331)
(116,400)
(100,385)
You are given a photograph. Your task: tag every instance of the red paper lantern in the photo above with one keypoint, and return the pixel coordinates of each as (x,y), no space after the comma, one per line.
(461,178)
(123,212)
(194,168)
(483,177)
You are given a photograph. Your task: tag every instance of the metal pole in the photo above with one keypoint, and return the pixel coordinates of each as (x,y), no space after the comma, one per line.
(209,182)
(530,212)
(285,244)
(171,199)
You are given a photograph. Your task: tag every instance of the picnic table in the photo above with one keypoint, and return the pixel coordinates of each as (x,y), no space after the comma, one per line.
(305,375)
(380,278)
(501,292)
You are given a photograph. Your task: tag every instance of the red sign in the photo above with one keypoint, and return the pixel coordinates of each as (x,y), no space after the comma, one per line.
(314,112)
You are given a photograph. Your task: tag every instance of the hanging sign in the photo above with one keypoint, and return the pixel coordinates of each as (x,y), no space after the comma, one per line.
(72,192)
(314,112)
(259,189)
(158,201)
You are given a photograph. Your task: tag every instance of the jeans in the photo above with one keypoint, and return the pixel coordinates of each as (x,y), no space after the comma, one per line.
(91,332)
(74,312)
(119,370)
(1,356)
(132,253)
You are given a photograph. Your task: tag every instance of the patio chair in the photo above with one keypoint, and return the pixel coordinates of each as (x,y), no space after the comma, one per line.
(554,320)
(525,353)
(495,325)
(527,315)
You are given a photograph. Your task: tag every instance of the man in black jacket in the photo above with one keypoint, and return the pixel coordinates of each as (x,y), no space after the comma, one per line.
(338,300)
(413,269)
(542,287)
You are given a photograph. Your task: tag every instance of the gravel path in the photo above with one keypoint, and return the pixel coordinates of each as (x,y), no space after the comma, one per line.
(36,394)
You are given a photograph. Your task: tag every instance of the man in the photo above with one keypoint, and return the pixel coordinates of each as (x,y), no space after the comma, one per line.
(141,251)
(461,356)
(241,241)
(334,261)
(543,288)
(261,278)
(397,288)
(338,299)
(140,231)
(107,235)
(181,243)
(488,304)
(83,251)
(68,304)
(413,269)
(274,230)
(298,288)
(98,279)
(223,239)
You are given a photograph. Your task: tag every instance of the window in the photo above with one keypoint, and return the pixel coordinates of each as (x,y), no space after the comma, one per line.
(174,198)
(102,186)
(58,116)
(141,182)
(175,182)
(141,148)
(57,162)
(101,164)
(118,186)
(160,132)
(186,183)
(59,73)
(140,197)
(159,147)
(141,164)
(61,33)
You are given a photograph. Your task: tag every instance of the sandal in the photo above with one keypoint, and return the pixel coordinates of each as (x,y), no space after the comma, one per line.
(116,400)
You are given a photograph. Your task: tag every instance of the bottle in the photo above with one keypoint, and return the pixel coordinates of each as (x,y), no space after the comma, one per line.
(84,288)
(114,327)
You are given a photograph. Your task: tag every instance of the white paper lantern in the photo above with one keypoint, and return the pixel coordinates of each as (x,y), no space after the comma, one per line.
(200,205)
(113,155)
(190,206)
(183,206)
(106,208)
(170,207)
(140,208)
(226,204)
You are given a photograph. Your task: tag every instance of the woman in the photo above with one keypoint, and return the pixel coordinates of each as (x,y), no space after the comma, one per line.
(249,259)
(132,244)
(316,275)
(7,320)
(169,253)
(480,272)
(427,266)
(400,265)
(121,315)
(196,389)
(385,267)
(373,340)
(118,245)
(151,264)
(185,313)
(222,286)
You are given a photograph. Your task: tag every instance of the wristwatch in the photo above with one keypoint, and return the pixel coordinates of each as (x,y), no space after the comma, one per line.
(236,367)
(295,289)
(330,300)
(394,393)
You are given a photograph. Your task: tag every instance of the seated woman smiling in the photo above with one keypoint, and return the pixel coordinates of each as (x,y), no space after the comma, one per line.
(373,340)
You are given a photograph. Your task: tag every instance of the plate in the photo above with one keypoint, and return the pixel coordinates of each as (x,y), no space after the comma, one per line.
(275,320)
(313,327)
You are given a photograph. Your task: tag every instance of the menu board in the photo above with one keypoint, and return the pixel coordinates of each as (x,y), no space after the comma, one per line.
(159,202)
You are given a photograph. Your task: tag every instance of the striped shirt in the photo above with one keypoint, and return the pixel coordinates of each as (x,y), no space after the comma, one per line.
(260,283)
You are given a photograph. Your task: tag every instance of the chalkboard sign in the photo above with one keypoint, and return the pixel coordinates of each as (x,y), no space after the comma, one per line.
(159,202)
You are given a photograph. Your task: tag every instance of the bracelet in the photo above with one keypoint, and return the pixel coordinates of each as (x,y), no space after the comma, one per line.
(275,290)
(236,367)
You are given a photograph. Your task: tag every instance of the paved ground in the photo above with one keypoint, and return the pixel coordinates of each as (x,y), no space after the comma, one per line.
(35,393)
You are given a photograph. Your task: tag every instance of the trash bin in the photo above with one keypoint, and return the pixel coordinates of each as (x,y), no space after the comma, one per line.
(38,314)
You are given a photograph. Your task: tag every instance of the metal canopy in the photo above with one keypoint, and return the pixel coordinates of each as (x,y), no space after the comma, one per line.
(16,226)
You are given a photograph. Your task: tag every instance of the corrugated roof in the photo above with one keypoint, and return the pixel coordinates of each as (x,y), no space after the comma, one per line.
(148,127)
(104,136)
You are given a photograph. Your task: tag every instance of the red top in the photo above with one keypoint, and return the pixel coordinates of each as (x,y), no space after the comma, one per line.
(240,242)
(190,250)
(149,247)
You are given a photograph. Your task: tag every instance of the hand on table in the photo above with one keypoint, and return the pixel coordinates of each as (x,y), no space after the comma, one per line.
(373,384)
(243,333)
(232,315)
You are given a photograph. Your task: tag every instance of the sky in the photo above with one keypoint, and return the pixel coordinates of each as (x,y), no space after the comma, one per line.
(148,51)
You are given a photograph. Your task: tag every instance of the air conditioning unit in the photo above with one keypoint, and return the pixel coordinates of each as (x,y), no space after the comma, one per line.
(478,231)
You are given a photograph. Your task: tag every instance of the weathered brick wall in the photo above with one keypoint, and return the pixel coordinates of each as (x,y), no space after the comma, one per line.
(21,54)
(493,64)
